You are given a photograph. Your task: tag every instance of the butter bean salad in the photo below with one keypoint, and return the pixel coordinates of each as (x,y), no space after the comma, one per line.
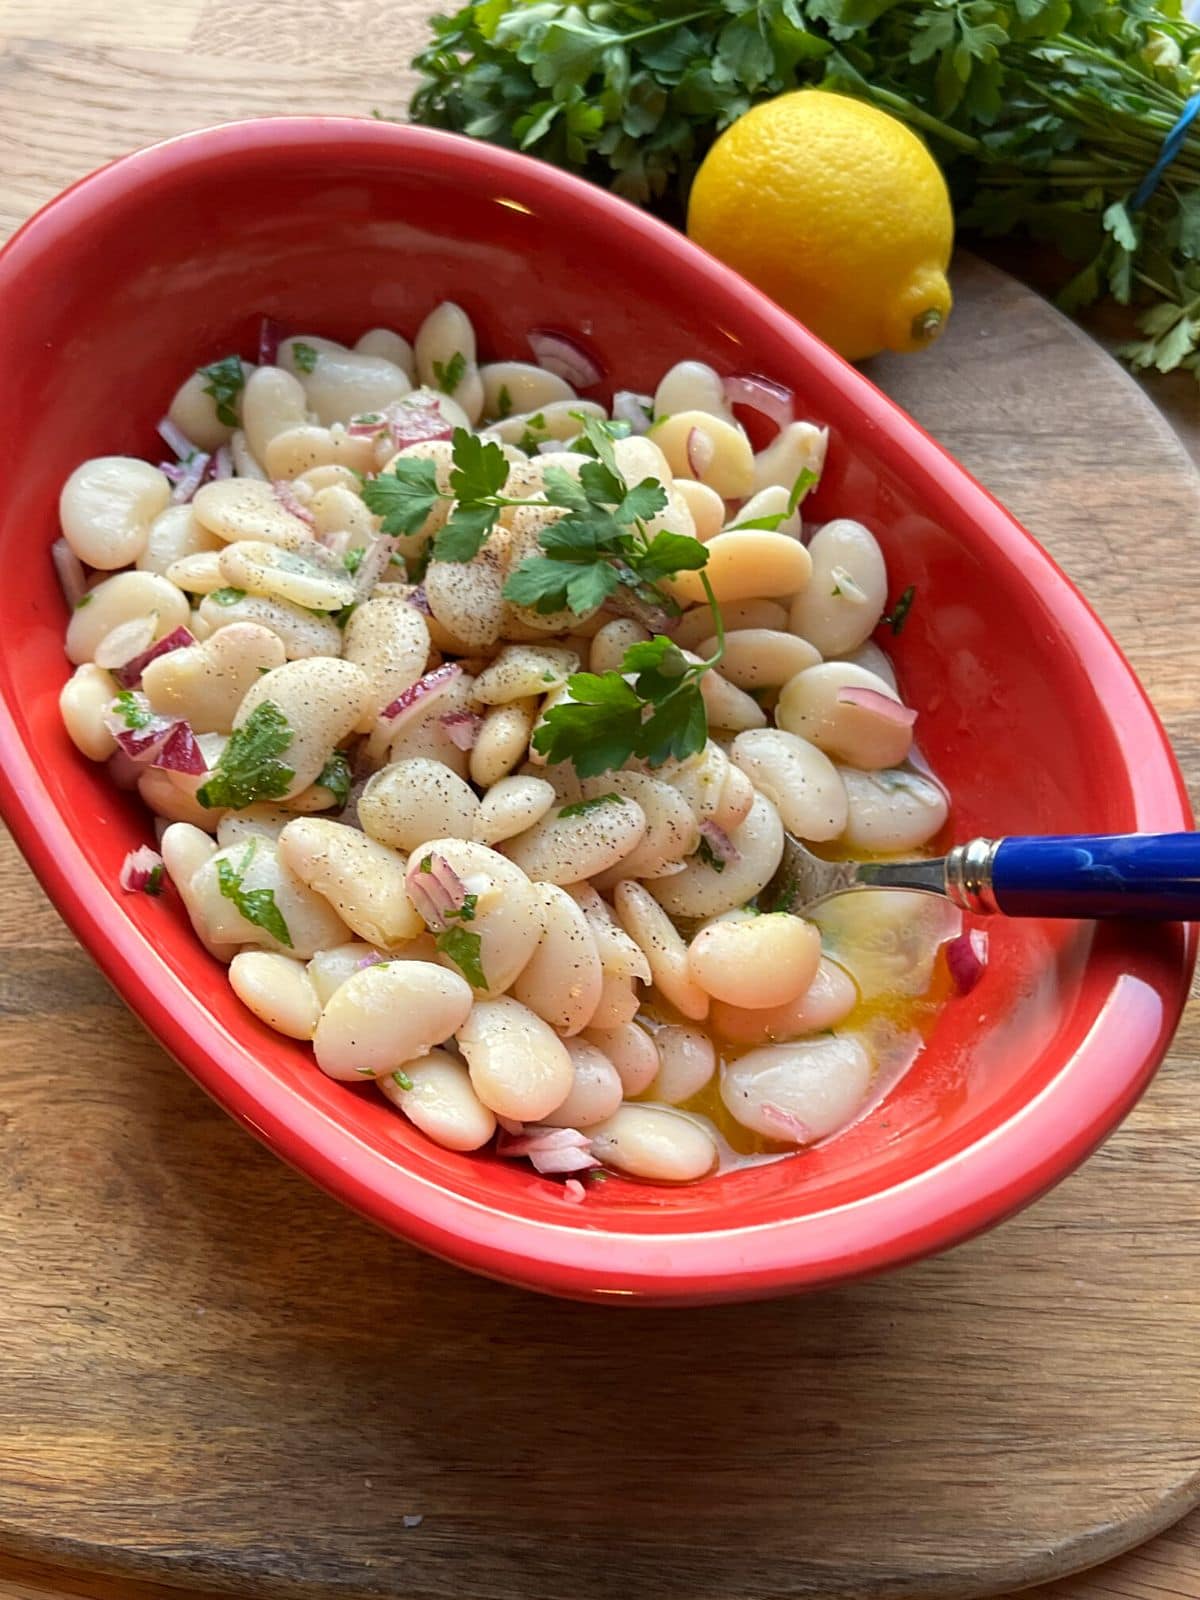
(472,714)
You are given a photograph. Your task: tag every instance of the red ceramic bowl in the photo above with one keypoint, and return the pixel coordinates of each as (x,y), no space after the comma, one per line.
(169,258)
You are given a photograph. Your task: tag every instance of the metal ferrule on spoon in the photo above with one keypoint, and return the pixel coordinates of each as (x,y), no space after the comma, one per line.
(1154,877)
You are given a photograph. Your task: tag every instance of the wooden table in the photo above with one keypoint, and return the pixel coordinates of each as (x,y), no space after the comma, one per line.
(82,80)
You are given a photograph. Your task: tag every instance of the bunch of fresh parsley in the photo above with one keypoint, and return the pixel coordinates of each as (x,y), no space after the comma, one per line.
(600,549)
(1047,113)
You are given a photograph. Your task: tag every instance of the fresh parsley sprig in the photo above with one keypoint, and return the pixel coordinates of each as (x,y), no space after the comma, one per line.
(256,905)
(226,380)
(658,717)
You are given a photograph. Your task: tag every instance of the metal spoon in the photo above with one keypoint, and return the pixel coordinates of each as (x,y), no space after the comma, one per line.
(1151,876)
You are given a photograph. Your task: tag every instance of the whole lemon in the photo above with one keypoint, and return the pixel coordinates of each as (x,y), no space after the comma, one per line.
(838,212)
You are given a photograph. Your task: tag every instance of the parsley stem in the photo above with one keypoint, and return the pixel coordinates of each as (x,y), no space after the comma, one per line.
(718,621)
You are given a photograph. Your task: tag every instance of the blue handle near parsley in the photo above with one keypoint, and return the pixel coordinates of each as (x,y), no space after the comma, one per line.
(599,548)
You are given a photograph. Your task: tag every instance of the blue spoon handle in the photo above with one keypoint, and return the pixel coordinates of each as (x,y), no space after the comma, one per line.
(1152,876)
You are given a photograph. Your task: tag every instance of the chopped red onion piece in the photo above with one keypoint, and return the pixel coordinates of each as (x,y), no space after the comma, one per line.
(433,683)
(193,475)
(72,579)
(557,353)
(434,887)
(635,409)
(787,1125)
(542,1140)
(412,420)
(548,1162)
(123,771)
(291,502)
(720,845)
(142,871)
(966,958)
(419,601)
(337,543)
(377,558)
(181,753)
(367,425)
(574,1192)
(881,705)
(129,673)
(372,960)
(771,400)
(222,463)
(700,451)
(462,728)
(270,333)
(509,1126)
(175,439)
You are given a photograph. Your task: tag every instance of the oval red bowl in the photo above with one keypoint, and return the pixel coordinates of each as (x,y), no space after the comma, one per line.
(169,258)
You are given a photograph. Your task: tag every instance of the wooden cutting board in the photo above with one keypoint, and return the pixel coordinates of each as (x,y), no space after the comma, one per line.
(211,1377)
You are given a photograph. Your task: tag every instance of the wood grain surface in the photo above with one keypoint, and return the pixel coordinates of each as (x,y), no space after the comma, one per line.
(213,1379)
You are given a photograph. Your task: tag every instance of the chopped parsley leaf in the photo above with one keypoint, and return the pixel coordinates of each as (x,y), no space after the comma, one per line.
(250,768)
(304,355)
(582,807)
(464,949)
(256,905)
(226,380)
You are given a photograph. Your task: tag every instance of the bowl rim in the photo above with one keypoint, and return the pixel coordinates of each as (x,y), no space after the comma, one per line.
(945,1203)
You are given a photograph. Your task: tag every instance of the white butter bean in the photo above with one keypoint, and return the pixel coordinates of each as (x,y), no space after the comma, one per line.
(632,1052)
(596,1092)
(301,633)
(747,566)
(299,450)
(166,798)
(726,706)
(654,1142)
(710,449)
(761,658)
(521,670)
(272,402)
(611,642)
(892,812)
(511,806)
(341,384)
(519,1066)
(83,700)
(567,849)
(329,969)
(700,891)
(656,936)
(175,533)
(245,463)
(362,879)
(199,573)
(695,626)
(798,1092)
(800,780)
(410,802)
(243,508)
(194,412)
(338,513)
(206,683)
(672,832)
(501,743)
(860,736)
(618,1003)
(705,506)
(256,865)
(387,1015)
(796,448)
(770,502)
(394,347)
(563,978)
(185,850)
(844,600)
(106,507)
(313,578)
(467,597)
(278,990)
(828,1000)
(322,700)
(558,420)
(510,386)
(508,918)
(755,961)
(265,821)
(688,1061)
(124,598)
(875,660)
(435,1094)
(446,340)
(691,386)
(389,640)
